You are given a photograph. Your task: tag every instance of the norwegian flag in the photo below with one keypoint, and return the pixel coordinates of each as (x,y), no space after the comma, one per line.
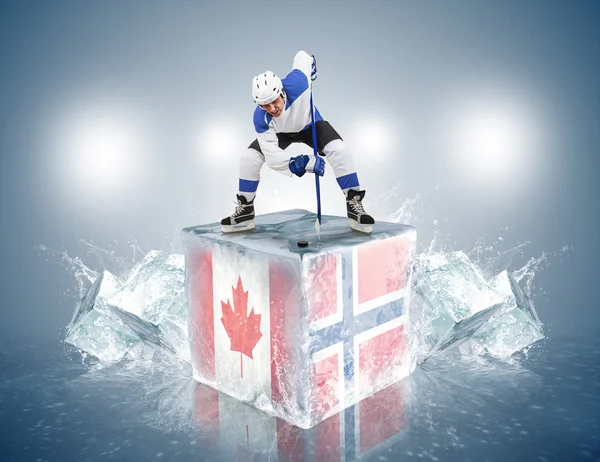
(252,316)
(358,332)
(246,434)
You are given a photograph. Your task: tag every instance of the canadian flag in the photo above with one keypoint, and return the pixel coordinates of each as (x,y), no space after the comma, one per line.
(244,312)
(241,322)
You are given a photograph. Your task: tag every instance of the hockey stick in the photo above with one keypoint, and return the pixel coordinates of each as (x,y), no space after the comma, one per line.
(315,151)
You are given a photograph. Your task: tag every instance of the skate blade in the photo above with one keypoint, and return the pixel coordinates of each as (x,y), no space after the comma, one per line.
(367,229)
(238,228)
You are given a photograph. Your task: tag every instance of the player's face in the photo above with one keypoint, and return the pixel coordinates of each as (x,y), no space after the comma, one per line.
(275,108)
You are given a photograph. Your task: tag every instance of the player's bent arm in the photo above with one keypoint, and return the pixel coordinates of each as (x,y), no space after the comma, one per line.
(303,61)
(275,157)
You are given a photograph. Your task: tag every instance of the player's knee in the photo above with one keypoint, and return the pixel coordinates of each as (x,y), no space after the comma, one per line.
(251,162)
(334,148)
(252,156)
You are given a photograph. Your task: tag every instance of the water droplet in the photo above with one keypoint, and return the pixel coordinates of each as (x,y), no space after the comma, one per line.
(435,222)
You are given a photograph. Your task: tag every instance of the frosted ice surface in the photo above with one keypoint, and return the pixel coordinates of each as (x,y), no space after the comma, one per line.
(278,233)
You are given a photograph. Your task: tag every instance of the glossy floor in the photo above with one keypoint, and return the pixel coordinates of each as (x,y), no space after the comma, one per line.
(54,408)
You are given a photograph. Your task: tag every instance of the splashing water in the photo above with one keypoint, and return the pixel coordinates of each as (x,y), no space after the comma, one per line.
(138,308)
(470,300)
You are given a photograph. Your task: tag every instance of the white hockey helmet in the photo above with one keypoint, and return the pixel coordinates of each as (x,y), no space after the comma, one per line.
(266,88)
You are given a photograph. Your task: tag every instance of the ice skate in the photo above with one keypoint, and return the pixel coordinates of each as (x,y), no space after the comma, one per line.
(359,219)
(242,218)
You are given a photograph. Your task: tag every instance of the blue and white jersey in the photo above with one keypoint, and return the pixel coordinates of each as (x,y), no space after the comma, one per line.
(294,118)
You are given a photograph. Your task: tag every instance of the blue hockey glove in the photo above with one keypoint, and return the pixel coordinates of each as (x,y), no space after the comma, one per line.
(316,165)
(313,69)
(299,165)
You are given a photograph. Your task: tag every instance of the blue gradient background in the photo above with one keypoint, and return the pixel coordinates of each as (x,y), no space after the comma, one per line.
(177,67)
(171,75)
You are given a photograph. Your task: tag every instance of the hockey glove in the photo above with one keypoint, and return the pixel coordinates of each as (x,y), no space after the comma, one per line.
(299,165)
(313,69)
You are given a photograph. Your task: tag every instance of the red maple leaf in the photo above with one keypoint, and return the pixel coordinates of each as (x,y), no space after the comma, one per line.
(243,331)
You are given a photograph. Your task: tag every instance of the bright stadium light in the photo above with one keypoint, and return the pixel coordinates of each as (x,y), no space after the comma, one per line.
(220,142)
(373,137)
(492,140)
(104,151)
(101,149)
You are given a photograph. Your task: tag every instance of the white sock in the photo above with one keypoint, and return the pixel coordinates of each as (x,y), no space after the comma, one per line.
(356,188)
(248,195)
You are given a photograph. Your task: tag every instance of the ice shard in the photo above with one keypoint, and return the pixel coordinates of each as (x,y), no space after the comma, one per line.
(516,325)
(300,331)
(115,320)
(94,327)
(448,289)
(146,331)
(454,306)
(154,290)
(464,330)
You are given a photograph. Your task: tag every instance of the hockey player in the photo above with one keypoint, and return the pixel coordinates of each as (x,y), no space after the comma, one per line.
(281,118)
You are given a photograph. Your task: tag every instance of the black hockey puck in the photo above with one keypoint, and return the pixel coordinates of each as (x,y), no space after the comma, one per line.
(302,244)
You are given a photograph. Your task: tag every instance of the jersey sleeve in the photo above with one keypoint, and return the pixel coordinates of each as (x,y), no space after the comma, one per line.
(275,157)
(295,83)
(303,61)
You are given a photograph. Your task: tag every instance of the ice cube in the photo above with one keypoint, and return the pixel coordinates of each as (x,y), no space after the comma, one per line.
(141,351)
(449,289)
(516,325)
(95,329)
(108,332)
(145,330)
(155,292)
(154,289)
(104,285)
(464,330)
(300,332)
